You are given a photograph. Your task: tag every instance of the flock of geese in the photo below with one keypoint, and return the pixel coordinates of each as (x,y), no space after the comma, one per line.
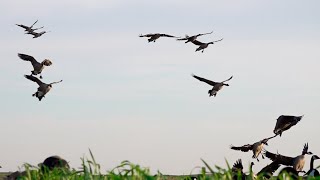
(294,165)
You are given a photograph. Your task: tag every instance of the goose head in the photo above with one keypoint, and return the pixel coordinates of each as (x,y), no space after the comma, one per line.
(315,157)
(210,43)
(47,62)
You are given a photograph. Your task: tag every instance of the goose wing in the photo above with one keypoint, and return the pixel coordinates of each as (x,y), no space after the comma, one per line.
(244,148)
(146,35)
(285,122)
(206,33)
(218,40)
(212,83)
(196,42)
(34,79)
(23,26)
(285,160)
(183,39)
(269,169)
(167,35)
(27,58)
(227,79)
(237,166)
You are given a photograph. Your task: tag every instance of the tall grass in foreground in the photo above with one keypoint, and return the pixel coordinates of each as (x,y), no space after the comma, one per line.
(90,170)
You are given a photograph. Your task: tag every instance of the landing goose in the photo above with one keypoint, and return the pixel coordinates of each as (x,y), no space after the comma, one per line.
(202,45)
(192,38)
(43,88)
(296,162)
(154,37)
(285,122)
(256,147)
(37,67)
(217,86)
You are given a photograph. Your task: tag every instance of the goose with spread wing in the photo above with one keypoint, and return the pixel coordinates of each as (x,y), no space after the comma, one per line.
(37,66)
(154,37)
(43,88)
(296,162)
(217,86)
(202,45)
(256,147)
(192,38)
(285,122)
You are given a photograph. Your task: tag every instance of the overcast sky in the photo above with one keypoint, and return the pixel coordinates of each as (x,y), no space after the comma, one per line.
(127,99)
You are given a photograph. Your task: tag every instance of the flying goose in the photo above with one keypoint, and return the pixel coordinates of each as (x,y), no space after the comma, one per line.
(296,162)
(154,37)
(43,88)
(202,45)
(29,29)
(37,67)
(217,86)
(312,171)
(285,122)
(192,38)
(256,147)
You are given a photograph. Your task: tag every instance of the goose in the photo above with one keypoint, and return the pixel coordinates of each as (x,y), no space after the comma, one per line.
(29,29)
(237,170)
(54,162)
(268,170)
(285,122)
(43,88)
(154,37)
(296,162)
(35,34)
(217,86)
(256,147)
(202,45)
(192,38)
(312,171)
(289,171)
(37,67)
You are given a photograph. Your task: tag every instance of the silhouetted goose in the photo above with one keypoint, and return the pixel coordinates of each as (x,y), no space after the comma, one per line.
(268,170)
(217,86)
(154,37)
(36,35)
(237,170)
(192,38)
(37,67)
(43,88)
(285,122)
(297,162)
(312,171)
(256,148)
(202,45)
(54,162)
(27,28)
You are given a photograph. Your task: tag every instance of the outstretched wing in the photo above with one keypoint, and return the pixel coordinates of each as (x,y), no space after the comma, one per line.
(23,26)
(196,42)
(27,58)
(285,122)
(212,83)
(244,148)
(228,79)
(218,40)
(183,39)
(206,33)
(146,35)
(56,82)
(34,79)
(285,160)
(269,169)
(33,24)
(166,35)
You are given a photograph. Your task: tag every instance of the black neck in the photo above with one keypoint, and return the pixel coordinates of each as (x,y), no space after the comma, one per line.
(311,163)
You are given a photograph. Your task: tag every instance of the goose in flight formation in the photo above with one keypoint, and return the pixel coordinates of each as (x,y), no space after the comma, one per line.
(192,38)
(29,29)
(37,67)
(217,86)
(285,122)
(154,37)
(202,45)
(256,148)
(43,88)
(296,162)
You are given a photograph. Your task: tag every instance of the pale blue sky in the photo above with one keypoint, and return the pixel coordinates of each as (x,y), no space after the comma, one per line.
(128,99)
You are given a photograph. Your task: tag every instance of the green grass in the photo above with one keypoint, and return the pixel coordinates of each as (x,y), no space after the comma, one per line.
(90,170)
